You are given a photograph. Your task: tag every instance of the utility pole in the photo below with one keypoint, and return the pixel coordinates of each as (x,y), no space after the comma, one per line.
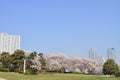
(24,67)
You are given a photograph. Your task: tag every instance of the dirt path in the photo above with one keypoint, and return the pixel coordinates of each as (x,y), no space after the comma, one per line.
(2,79)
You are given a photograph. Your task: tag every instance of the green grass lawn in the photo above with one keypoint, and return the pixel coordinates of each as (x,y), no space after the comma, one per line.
(16,76)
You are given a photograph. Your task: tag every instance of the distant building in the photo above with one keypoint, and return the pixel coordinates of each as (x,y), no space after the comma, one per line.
(101,60)
(9,43)
(93,54)
(111,54)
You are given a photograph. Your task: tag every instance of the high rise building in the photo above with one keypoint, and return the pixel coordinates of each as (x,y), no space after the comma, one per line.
(93,54)
(9,43)
(111,53)
(100,60)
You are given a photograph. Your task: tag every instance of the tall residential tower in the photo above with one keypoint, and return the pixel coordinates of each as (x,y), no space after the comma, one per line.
(111,53)
(9,43)
(93,54)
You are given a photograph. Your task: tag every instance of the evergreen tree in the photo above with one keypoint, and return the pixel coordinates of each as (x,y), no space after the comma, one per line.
(17,60)
(5,59)
(110,67)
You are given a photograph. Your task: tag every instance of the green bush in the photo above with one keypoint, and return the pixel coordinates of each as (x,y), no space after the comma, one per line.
(61,70)
(12,69)
(28,72)
(4,69)
(117,74)
(31,71)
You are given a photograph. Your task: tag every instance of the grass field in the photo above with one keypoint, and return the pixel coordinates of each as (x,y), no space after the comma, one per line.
(16,76)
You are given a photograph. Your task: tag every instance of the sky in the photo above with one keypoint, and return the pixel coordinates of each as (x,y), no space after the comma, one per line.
(71,27)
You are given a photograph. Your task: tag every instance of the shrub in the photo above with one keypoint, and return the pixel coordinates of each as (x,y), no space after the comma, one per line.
(117,74)
(31,71)
(62,70)
(4,69)
(28,72)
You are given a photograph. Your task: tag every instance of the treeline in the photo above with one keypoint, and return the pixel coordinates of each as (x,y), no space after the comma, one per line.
(12,63)
(15,62)
(38,63)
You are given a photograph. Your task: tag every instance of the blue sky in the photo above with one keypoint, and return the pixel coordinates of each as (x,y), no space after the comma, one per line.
(65,26)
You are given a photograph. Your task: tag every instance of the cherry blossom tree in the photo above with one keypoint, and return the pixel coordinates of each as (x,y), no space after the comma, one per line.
(72,64)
